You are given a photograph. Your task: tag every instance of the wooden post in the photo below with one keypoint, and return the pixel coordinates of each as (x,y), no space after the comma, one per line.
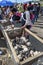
(34,35)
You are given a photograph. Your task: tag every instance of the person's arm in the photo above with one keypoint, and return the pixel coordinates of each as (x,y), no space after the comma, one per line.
(27,19)
(23,26)
(23,23)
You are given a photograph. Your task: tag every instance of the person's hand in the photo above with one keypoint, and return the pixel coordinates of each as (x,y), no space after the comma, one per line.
(22,27)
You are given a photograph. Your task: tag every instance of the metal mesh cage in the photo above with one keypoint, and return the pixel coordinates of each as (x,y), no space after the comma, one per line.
(14,33)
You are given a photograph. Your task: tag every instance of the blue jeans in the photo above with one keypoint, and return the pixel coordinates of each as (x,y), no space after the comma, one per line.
(36,16)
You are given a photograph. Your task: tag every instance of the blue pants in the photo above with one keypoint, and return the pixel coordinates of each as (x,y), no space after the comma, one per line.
(33,21)
(36,16)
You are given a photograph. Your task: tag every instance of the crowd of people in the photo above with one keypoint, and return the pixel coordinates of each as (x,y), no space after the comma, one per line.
(27,14)
(23,14)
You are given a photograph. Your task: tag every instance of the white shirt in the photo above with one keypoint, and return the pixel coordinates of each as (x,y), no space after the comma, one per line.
(11,20)
(28,21)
